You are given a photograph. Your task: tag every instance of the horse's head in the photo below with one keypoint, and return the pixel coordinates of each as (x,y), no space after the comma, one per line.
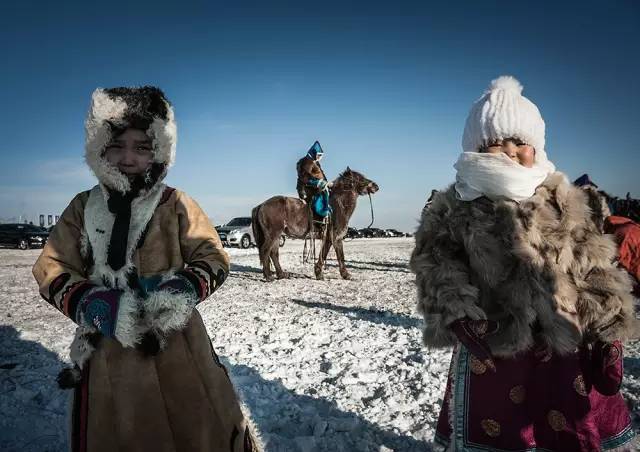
(353,180)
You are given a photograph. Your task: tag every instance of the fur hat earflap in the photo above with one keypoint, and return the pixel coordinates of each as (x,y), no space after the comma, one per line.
(115,109)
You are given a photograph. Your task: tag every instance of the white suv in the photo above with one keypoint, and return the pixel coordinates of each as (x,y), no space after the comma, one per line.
(238,232)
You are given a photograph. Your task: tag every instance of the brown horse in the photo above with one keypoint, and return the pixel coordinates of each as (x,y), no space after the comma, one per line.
(291,216)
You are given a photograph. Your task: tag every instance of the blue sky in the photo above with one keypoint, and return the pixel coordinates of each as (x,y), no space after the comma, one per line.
(385,87)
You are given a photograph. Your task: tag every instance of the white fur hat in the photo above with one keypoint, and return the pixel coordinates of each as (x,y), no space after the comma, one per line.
(116,108)
(503,112)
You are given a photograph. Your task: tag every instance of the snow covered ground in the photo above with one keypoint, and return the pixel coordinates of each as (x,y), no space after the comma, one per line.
(323,365)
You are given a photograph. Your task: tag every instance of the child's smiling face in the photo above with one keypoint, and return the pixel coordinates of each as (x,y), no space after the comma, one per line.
(516,149)
(131,152)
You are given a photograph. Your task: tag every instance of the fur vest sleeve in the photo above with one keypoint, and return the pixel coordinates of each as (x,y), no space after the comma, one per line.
(541,268)
(443,276)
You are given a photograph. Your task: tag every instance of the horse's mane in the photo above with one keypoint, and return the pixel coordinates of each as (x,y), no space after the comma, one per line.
(347,177)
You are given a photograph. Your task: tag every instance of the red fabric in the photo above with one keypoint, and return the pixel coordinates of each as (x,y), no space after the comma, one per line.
(606,367)
(80,413)
(627,235)
(528,402)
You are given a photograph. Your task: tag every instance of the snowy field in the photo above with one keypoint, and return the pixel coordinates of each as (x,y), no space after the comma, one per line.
(323,365)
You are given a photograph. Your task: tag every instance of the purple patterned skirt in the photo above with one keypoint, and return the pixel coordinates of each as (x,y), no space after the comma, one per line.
(529,404)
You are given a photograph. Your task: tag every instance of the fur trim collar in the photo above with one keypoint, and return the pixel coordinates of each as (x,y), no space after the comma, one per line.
(98,224)
(128,107)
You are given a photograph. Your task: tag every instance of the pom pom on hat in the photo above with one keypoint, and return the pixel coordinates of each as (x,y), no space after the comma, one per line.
(506,83)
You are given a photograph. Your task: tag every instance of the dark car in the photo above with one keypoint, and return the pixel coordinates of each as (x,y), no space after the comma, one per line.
(372,232)
(353,233)
(23,236)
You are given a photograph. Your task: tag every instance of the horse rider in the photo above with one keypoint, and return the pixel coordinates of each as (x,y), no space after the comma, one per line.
(313,186)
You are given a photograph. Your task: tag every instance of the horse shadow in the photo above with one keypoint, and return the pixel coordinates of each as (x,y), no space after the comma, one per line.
(32,407)
(248,272)
(376,266)
(237,268)
(292,422)
(370,315)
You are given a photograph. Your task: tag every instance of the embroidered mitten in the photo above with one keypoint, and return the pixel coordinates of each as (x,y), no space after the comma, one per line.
(169,307)
(112,312)
(99,308)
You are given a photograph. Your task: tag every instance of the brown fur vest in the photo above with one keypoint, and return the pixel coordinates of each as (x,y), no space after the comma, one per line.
(541,268)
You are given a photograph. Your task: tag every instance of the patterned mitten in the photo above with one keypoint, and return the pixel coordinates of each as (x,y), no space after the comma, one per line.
(99,308)
(470,333)
(179,284)
(606,367)
(169,307)
(112,312)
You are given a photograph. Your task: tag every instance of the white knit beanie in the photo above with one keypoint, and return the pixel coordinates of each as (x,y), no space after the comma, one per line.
(503,112)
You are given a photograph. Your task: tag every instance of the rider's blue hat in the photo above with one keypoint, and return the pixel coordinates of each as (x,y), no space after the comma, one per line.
(315,150)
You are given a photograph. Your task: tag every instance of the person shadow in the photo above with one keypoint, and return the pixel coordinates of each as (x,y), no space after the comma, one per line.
(33,410)
(370,315)
(292,422)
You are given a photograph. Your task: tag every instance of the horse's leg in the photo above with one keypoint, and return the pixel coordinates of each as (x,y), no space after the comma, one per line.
(266,259)
(275,257)
(340,256)
(326,246)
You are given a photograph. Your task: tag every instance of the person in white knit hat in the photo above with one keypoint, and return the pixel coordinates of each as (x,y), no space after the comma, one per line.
(513,272)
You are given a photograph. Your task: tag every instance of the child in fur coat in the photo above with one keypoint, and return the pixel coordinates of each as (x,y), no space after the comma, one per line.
(513,271)
(128,262)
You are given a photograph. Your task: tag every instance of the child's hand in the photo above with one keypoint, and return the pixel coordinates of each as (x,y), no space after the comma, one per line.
(470,333)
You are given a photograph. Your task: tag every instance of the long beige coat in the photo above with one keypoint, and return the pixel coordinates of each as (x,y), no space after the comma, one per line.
(180,399)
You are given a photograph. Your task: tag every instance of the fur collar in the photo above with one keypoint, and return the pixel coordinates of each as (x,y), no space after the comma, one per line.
(98,224)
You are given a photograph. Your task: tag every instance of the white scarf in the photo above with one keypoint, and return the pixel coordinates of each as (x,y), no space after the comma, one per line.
(497,176)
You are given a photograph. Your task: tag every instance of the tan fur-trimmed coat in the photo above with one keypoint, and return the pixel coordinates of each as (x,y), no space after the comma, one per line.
(541,268)
(180,399)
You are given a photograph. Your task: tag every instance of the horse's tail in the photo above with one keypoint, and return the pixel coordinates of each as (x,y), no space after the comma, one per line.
(258,234)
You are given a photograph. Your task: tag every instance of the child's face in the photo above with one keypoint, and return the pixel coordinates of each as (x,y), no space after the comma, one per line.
(514,148)
(131,152)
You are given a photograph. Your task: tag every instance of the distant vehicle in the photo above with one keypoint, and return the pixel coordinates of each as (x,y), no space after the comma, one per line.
(238,232)
(394,233)
(353,233)
(372,232)
(23,236)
